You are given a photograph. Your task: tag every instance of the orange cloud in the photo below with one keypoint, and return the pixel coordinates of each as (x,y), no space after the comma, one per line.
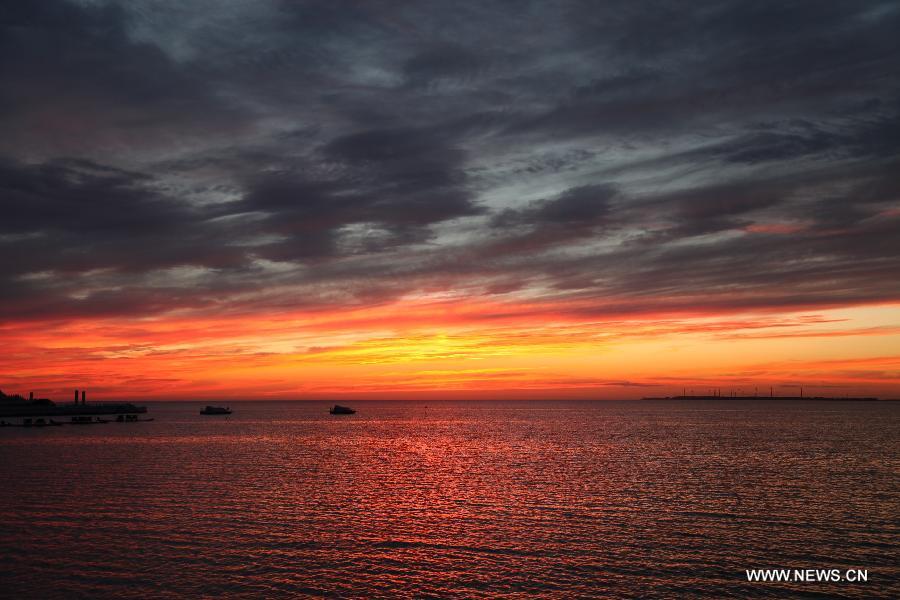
(452,347)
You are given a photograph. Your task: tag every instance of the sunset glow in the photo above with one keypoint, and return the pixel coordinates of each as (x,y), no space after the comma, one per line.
(305,201)
(449,299)
(461,348)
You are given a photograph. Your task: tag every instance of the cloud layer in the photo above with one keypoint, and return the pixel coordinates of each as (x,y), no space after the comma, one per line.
(614,159)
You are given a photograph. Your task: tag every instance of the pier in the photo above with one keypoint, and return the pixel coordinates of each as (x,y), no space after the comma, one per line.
(17,406)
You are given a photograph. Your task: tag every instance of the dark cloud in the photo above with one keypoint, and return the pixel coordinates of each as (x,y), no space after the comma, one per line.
(576,208)
(103,217)
(401,181)
(80,196)
(722,63)
(570,218)
(76,82)
(630,155)
(442,63)
(708,209)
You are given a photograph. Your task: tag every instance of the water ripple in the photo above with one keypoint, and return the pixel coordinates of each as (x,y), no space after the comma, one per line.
(476,500)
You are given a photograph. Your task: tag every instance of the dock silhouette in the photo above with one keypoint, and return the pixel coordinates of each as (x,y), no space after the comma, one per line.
(18,406)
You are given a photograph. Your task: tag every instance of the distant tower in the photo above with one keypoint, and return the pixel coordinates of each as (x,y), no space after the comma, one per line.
(82,396)
(30,396)
(76,396)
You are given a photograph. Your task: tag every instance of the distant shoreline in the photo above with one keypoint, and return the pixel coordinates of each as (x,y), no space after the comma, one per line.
(779,398)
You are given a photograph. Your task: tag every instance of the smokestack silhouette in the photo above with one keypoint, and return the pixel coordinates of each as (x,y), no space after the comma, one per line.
(30,396)
(76,396)
(82,397)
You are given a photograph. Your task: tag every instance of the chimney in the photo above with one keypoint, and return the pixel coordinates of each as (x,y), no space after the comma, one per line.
(82,397)
(76,396)
(30,396)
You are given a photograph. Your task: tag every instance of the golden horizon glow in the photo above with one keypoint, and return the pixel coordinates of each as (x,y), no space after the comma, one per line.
(448,347)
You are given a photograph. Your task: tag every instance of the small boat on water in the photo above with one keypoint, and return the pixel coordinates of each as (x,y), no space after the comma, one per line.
(337,409)
(215,410)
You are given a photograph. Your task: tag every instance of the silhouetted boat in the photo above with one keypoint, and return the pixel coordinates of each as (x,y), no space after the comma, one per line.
(215,410)
(337,409)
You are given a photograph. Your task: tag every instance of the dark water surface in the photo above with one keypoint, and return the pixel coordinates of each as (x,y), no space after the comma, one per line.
(456,499)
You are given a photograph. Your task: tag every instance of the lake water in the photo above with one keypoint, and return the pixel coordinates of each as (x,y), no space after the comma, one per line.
(455,499)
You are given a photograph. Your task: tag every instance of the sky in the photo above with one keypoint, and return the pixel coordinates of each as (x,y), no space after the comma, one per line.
(272,199)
